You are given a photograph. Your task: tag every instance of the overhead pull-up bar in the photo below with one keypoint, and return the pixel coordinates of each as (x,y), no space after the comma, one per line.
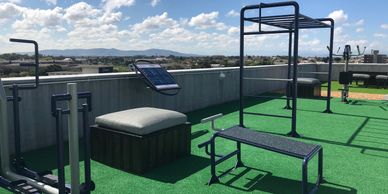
(288,23)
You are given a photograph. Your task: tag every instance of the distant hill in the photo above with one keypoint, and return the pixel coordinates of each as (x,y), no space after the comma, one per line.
(112,52)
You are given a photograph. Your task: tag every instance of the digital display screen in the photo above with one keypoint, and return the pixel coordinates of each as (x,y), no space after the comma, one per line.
(157,76)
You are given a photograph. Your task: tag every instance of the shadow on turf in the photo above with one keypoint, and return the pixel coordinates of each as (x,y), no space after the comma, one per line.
(178,170)
(226,108)
(264,181)
(350,141)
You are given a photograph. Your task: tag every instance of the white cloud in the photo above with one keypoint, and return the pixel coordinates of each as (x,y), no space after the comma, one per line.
(379,35)
(339,16)
(359,29)
(12,1)
(79,12)
(32,18)
(51,2)
(233,13)
(154,2)
(384,26)
(359,22)
(233,30)
(110,5)
(207,20)
(310,43)
(361,43)
(154,23)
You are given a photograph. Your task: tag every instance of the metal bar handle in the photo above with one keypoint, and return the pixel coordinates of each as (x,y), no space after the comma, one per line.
(36,48)
(65,97)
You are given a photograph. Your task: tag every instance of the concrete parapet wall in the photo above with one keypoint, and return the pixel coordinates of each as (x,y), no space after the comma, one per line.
(119,91)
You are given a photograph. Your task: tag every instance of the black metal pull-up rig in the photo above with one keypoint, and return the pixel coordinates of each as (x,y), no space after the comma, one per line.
(290,24)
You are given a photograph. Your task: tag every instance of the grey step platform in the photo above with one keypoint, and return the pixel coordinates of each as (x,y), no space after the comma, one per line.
(270,142)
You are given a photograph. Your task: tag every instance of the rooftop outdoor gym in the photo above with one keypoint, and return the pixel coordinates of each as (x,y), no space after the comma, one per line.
(289,128)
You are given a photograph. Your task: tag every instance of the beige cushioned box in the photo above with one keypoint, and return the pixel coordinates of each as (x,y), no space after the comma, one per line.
(141,121)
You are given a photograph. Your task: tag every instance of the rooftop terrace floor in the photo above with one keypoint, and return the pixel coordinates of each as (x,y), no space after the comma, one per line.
(354,139)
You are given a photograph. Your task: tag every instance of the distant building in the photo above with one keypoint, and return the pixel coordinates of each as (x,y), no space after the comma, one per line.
(63,73)
(375,57)
(90,69)
(216,65)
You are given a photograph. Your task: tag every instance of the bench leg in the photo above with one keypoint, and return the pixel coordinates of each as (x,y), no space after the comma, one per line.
(305,173)
(320,166)
(214,178)
(304,176)
(239,161)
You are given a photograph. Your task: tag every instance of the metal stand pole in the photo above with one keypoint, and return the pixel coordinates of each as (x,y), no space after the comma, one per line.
(73,138)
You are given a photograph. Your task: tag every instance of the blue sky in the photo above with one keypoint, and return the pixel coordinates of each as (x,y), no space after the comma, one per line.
(207,27)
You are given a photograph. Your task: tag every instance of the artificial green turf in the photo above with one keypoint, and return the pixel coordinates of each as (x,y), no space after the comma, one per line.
(354,139)
(335,86)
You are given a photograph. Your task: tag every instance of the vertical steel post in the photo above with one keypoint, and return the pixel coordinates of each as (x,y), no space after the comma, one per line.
(320,165)
(304,176)
(88,179)
(60,153)
(73,138)
(289,70)
(16,124)
(241,112)
(293,132)
(328,110)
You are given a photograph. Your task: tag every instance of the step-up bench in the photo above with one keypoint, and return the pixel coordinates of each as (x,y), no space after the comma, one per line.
(139,139)
(268,142)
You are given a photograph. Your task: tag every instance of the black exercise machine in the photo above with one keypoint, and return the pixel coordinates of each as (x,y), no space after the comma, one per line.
(59,113)
(14,186)
(346,77)
(18,162)
(285,24)
(43,181)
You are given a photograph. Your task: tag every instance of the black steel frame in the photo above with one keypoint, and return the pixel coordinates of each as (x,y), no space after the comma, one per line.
(216,159)
(287,24)
(58,113)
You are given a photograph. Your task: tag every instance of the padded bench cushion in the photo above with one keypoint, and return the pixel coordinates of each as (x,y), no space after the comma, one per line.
(141,121)
(363,76)
(308,81)
(382,77)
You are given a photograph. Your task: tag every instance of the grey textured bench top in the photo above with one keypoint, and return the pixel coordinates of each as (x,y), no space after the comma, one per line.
(141,121)
(268,141)
(308,81)
(357,75)
(382,77)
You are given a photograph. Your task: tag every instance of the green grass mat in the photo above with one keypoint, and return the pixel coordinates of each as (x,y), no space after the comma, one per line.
(354,139)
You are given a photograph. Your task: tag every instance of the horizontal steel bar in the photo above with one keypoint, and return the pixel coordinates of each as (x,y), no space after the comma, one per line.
(211,118)
(268,115)
(311,72)
(268,32)
(271,97)
(201,145)
(227,157)
(268,79)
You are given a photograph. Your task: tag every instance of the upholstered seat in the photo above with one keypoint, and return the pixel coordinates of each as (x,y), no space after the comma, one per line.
(141,121)
(308,81)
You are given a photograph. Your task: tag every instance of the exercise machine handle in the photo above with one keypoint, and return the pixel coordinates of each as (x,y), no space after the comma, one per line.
(65,97)
(36,65)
